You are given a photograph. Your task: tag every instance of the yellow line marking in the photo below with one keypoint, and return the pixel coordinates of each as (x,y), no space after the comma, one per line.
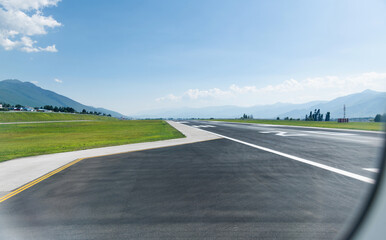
(36,181)
(20,189)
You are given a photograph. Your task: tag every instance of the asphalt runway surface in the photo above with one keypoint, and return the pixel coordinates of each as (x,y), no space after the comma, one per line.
(219,189)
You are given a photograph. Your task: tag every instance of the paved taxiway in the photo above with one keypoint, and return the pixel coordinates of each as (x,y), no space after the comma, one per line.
(221,189)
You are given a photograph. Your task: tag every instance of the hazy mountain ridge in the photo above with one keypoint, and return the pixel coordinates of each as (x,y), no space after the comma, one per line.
(364,104)
(263,111)
(13,91)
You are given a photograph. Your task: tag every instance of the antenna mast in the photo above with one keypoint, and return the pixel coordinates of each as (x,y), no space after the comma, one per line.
(344,111)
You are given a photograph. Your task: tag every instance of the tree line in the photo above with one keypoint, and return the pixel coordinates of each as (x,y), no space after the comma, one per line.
(58,109)
(7,107)
(313,116)
(245,116)
(380,118)
(317,116)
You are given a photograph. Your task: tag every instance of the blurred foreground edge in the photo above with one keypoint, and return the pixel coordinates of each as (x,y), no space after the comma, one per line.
(371,223)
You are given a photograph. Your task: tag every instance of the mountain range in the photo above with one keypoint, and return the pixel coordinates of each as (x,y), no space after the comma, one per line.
(364,104)
(14,92)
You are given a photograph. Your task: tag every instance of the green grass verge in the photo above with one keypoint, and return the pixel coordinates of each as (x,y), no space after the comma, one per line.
(21,140)
(38,116)
(371,126)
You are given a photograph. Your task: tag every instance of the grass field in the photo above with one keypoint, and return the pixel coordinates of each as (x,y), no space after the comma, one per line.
(39,116)
(21,140)
(371,126)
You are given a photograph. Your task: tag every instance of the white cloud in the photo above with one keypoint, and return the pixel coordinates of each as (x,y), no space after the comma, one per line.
(20,20)
(51,48)
(195,94)
(170,97)
(58,80)
(39,49)
(28,4)
(212,93)
(291,91)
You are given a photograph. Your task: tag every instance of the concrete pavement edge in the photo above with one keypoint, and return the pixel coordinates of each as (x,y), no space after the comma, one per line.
(18,172)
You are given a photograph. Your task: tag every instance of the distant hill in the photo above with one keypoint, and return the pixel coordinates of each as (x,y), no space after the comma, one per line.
(364,104)
(27,94)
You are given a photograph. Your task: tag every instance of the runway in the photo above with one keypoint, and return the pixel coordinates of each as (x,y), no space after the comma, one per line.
(217,189)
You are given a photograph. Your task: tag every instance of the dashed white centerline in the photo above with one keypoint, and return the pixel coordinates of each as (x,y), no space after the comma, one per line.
(309,162)
(376,170)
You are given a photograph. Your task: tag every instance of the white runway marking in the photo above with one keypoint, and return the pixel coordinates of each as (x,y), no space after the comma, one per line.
(330,133)
(307,133)
(376,170)
(315,164)
(284,134)
(325,134)
(202,126)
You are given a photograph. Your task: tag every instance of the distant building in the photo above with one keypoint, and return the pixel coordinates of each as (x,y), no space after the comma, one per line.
(343,120)
(29,109)
(43,110)
(1,105)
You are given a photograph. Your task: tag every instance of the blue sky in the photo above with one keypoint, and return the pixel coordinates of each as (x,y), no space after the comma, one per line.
(135,56)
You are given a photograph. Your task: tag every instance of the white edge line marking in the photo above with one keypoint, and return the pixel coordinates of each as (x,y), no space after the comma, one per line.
(319,165)
(376,170)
